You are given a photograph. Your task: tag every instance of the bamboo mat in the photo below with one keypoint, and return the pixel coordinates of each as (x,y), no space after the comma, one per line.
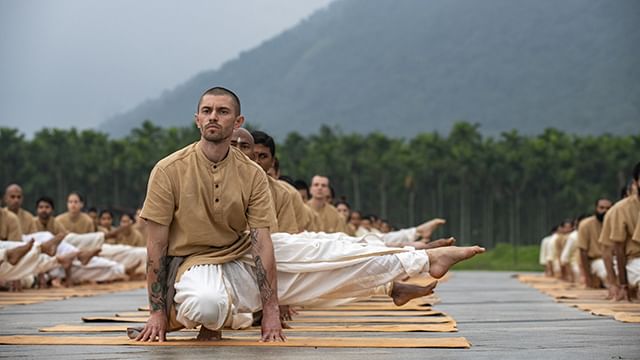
(593,301)
(347,342)
(415,320)
(444,327)
(34,296)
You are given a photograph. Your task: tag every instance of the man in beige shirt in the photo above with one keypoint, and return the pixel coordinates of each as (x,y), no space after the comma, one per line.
(13,200)
(617,240)
(330,220)
(265,149)
(589,231)
(200,201)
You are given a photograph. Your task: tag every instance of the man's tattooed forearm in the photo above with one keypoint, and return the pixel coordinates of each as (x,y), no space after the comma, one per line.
(263,282)
(158,290)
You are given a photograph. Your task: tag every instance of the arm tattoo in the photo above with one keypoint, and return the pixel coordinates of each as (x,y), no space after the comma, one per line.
(158,291)
(261,274)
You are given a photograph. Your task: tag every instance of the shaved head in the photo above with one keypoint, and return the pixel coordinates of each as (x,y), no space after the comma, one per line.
(242,139)
(13,197)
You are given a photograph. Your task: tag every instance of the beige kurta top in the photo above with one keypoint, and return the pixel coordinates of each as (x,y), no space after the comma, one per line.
(9,226)
(132,238)
(208,206)
(27,223)
(283,204)
(329,219)
(620,225)
(302,213)
(53,226)
(588,234)
(81,224)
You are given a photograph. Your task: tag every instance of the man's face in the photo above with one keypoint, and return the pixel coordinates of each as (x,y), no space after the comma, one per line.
(106,220)
(366,223)
(74,205)
(319,188)
(13,199)
(44,210)
(602,207)
(244,145)
(263,156)
(217,117)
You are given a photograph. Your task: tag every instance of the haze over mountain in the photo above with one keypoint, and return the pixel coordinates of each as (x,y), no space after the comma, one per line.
(401,67)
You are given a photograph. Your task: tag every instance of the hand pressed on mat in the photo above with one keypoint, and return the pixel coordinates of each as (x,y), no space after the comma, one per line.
(156,327)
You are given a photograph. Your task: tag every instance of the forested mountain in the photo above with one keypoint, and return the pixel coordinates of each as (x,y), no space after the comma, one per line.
(402,67)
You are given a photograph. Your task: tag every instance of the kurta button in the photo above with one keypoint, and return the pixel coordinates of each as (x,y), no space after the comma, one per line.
(217,200)
(215,167)
(217,186)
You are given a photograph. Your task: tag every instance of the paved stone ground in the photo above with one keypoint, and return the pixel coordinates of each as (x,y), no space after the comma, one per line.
(500,316)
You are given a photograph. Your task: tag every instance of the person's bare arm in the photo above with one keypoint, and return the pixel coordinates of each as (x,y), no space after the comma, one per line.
(262,252)
(157,266)
(621,259)
(612,278)
(586,268)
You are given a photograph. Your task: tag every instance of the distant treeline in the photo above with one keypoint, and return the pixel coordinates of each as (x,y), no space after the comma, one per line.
(507,189)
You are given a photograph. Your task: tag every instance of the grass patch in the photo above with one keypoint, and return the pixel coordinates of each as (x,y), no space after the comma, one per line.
(502,257)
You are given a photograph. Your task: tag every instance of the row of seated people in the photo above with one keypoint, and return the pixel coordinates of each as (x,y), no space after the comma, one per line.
(601,250)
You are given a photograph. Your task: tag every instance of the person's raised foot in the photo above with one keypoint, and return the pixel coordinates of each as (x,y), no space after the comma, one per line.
(403,293)
(50,247)
(208,334)
(425,230)
(66,260)
(86,255)
(439,243)
(443,258)
(14,255)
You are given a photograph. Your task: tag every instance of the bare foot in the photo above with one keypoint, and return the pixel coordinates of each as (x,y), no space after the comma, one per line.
(438,243)
(131,270)
(42,281)
(50,246)
(403,293)
(66,260)
(14,255)
(85,255)
(15,286)
(425,230)
(209,335)
(443,258)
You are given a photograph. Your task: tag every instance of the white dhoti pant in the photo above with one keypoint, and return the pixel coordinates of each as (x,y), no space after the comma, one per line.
(598,269)
(97,269)
(307,273)
(129,256)
(89,241)
(633,272)
(49,262)
(31,263)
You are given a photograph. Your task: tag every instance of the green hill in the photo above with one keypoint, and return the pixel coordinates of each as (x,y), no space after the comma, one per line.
(407,66)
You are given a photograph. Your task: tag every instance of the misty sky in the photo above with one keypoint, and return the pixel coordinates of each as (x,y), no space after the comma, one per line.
(76,62)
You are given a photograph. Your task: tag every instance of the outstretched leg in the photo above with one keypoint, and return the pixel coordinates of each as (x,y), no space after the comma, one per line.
(443,258)
(403,293)
(14,255)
